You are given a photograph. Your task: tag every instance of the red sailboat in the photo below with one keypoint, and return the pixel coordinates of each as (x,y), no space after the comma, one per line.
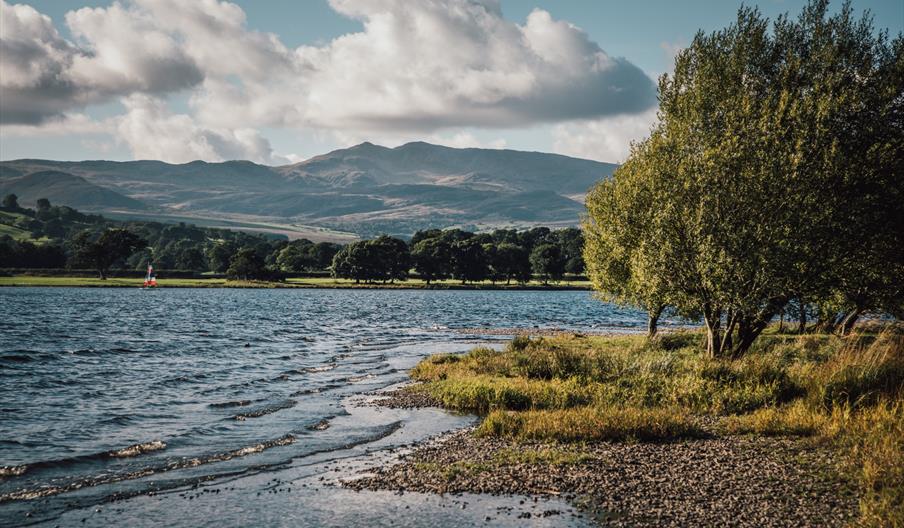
(150,280)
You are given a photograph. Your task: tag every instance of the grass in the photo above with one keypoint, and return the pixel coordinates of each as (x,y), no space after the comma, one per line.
(14,232)
(313,282)
(561,373)
(112,282)
(847,393)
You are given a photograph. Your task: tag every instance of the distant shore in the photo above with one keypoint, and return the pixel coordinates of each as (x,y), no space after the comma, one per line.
(313,282)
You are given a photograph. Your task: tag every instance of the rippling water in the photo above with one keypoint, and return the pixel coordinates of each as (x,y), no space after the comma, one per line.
(124,391)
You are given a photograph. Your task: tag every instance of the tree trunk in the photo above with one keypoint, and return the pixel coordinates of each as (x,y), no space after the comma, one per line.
(848,323)
(731,319)
(802,317)
(781,321)
(749,328)
(103,273)
(653,321)
(830,323)
(713,319)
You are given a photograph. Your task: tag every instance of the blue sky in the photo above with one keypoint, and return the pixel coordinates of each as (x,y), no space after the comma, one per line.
(194,109)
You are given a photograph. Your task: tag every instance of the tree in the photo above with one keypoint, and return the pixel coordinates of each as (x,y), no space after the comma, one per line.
(247,264)
(571,242)
(547,261)
(43,205)
(432,259)
(11,202)
(620,218)
(356,261)
(751,191)
(323,253)
(111,246)
(388,258)
(511,261)
(190,257)
(296,256)
(219,255)
(469,263)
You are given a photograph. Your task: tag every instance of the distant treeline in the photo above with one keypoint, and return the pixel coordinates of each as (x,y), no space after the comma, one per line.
(59,237)
(502,255)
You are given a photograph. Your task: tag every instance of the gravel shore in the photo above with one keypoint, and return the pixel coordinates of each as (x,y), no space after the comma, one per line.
(404,398)
(727,481)
(716,481)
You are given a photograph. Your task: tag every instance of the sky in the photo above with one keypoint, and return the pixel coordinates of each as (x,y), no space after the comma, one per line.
(279,81)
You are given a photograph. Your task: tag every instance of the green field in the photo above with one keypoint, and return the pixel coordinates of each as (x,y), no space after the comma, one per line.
(313,282)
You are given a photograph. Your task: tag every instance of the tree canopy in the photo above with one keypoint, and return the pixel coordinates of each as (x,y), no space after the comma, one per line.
(774,174)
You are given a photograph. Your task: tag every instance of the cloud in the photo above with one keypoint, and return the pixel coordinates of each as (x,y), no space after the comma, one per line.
(64,124)
(120,51)
(426,69)
(608,139)
(428,65)
(152,132)
(416,65)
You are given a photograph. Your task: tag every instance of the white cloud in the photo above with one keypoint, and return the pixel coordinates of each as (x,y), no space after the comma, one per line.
(421,70)
(608,139)
(152,132)
(466,140)
(43,76)
(427,65)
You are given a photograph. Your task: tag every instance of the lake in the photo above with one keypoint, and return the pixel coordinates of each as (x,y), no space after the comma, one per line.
(116,403)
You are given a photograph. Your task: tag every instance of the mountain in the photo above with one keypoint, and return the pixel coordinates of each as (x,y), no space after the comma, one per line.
(65,189)
(364,189)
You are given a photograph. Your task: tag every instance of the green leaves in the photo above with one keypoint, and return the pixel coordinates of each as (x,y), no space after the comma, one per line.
(768,178)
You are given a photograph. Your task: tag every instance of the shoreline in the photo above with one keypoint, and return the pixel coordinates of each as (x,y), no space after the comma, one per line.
(35,281)
(713,479)
(732,480)
(639,433)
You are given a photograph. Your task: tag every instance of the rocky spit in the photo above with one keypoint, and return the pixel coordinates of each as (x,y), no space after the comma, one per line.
(715,481)
(404,398)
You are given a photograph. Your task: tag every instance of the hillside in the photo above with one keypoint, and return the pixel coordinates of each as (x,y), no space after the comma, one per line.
(65,188)
(364,189)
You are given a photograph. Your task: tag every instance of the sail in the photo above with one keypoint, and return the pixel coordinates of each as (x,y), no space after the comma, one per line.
(150,280)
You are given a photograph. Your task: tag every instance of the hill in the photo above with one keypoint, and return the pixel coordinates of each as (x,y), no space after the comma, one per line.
(364,189)
(62,187)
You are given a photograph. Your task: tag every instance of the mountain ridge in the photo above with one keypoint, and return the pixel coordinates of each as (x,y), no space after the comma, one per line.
(362,189)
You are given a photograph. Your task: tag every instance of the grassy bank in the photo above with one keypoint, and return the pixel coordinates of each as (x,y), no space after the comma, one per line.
(847,393)
(312,282)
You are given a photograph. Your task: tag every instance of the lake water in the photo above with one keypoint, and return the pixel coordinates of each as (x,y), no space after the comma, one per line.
(114,402)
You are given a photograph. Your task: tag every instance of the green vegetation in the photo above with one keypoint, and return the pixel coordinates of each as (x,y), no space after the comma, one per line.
(436,255)
(773,181)
(54,237)
(847,392)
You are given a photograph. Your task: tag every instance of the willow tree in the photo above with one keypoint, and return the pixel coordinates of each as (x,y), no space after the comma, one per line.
(749,193)
(619,220)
